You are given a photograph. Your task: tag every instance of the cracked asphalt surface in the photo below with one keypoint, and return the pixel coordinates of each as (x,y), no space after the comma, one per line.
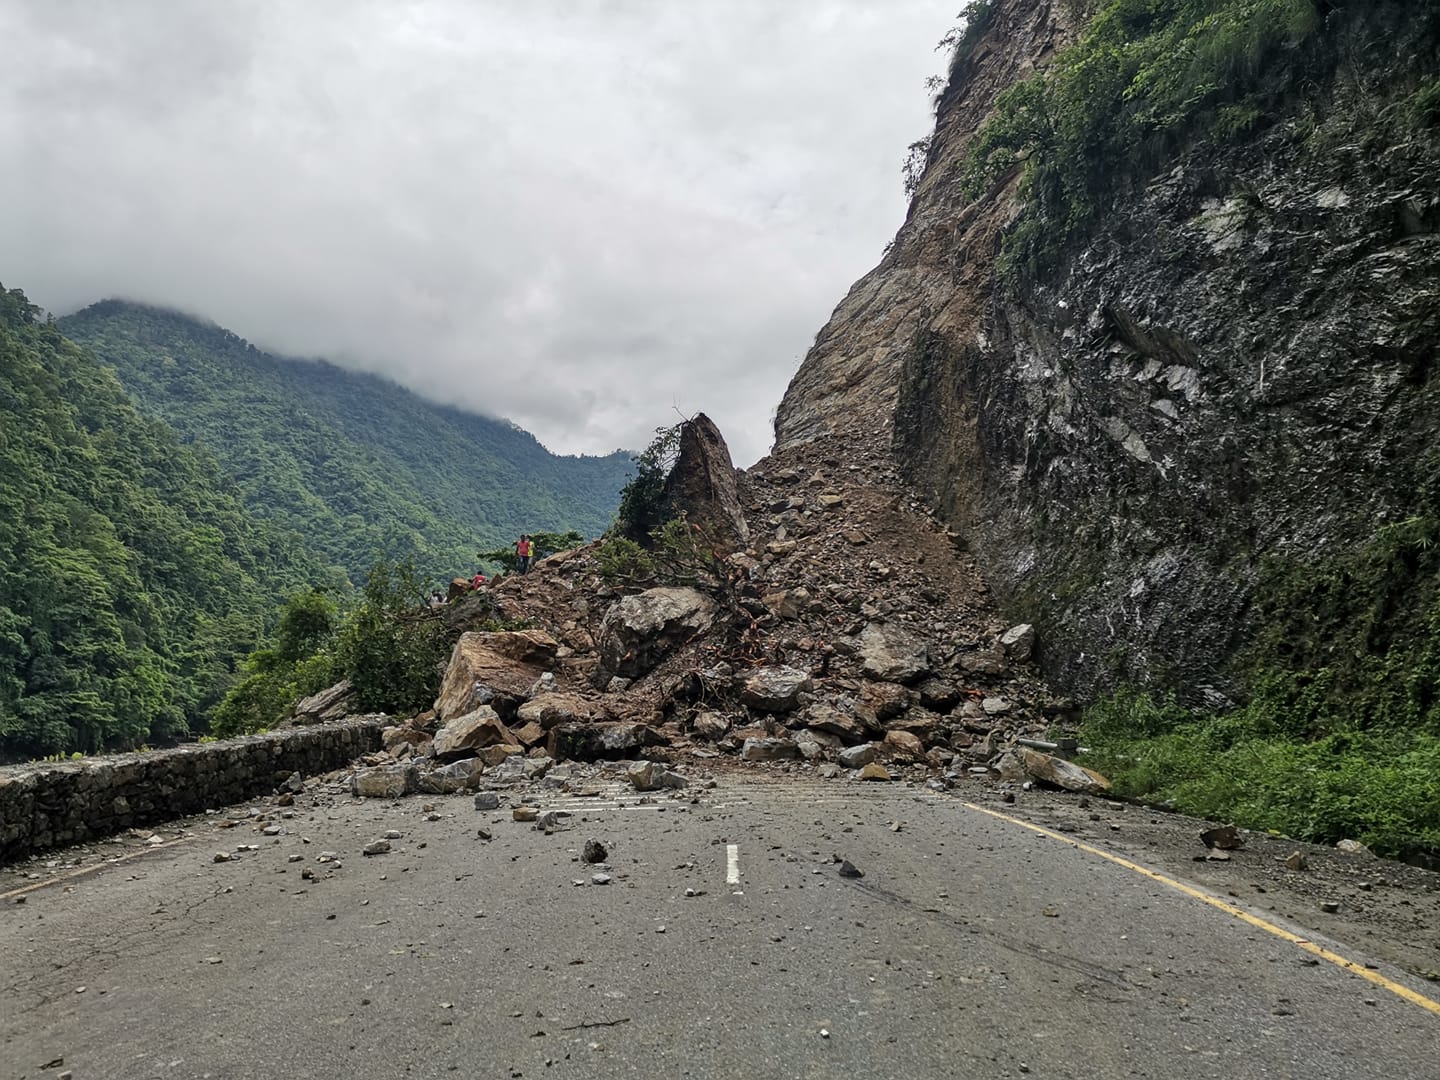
(971,947)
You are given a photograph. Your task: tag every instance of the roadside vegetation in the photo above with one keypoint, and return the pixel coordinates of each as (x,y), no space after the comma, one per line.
(388,643)
(1147,79)
(1340,737)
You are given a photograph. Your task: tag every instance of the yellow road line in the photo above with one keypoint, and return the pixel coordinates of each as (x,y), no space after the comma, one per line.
(1415,998)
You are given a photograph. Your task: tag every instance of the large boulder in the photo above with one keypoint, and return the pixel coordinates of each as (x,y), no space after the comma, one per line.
(938,695)
(841,723)
(774,689)
(641,630)
(905,745)
(457,776)
(881,702)
(474,731)
(1018,642)
(402,739)
(652,776)
(855,757)
(702,484)
(550,709)
(710,725)
(921,723)
(891,654)
(498,667)
(334,703)
(1052,770)
(589,742)
(385,781)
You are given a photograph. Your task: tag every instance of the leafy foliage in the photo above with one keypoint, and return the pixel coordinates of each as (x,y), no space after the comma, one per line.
(680,553)
(360,467)
(621,561)
(1374,786)
(132,578)
(917,155)
(1145,78)
(642,501)
(389,644)
(391,648)
(302,662)
(1423,106)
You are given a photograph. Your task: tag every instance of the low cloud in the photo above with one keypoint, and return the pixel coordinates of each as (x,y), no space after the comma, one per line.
(580,217)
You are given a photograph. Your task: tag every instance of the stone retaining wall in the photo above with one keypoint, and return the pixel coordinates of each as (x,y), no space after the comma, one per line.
(51,805)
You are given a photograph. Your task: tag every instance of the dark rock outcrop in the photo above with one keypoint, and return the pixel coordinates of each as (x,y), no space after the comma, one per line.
(702,484)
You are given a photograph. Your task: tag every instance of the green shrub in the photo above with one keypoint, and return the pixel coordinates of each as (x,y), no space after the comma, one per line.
(643,505)
(1423,107)
(391,648)
(624,562)
(1378,788)
(388,645)
(272,680)
(1340,735)
(1144,77)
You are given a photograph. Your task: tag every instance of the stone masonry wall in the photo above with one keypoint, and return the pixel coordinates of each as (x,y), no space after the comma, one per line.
(52,805)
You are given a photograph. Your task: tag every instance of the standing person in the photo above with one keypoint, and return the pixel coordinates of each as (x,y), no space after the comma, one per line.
(523,550)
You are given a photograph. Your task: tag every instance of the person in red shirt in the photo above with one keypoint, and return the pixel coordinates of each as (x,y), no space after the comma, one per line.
(524,549)
(478,580)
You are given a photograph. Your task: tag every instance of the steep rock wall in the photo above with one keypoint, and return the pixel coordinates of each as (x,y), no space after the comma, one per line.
(937,272)
(1239,362)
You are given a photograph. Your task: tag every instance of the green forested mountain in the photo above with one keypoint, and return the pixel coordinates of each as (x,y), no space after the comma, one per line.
(361,467)
(132,577)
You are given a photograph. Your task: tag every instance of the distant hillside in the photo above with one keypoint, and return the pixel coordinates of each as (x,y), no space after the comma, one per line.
(359,466)
(132,577)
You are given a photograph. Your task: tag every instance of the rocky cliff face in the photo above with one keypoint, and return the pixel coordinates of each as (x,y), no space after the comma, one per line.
(937,270)
(1236,363)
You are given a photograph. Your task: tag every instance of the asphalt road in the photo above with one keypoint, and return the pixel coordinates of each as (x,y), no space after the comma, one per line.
(972,947)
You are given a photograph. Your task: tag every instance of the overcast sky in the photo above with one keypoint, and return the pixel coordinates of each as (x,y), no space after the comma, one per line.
(580,215)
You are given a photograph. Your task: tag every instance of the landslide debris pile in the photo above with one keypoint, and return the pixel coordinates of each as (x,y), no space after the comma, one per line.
(835,627)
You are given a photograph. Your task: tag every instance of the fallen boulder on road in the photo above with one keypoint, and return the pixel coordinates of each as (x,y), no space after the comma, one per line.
(650,776)
(385,781)
(457,776)
(857,757)
(1055,771)
(464,735)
